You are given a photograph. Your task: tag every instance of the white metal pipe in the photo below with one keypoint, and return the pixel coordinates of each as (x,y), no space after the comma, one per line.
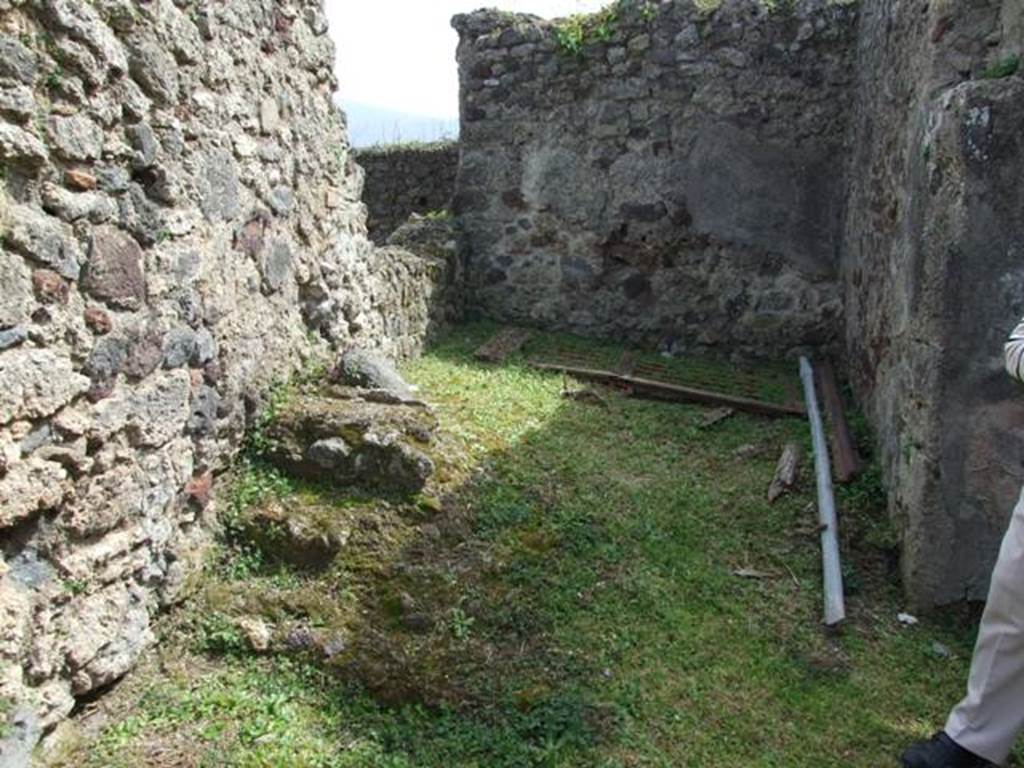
(835,610)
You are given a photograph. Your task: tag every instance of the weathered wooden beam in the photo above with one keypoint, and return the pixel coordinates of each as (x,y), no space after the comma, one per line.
(785,472)
(844,449)
(661,389)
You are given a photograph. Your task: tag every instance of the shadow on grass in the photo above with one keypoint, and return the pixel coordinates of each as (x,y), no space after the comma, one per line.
(566,596)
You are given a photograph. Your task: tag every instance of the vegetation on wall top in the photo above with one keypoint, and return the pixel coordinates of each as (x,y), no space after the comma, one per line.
(407,146)
(576,32)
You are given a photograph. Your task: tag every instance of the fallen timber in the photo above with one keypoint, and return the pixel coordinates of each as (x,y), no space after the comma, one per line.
(847,461)
(665,390)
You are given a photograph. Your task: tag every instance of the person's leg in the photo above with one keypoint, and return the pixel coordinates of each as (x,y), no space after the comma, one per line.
(988,721)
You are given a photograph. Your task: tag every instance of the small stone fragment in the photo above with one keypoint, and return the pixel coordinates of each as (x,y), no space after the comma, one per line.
(282,200)
(73,206)
(363,368)
(335,646)
(199,490)
(113,272)
(50,288)
(78,179)
(270,117)
(300,639)
(17,101)
(203,418)
(219,186)
(256,632)
(105,361)
(12,337)
(249,238)
(331,453)
(98,320)
(145,353)
(746,452)
(143,141)
(179,346)
(940,650)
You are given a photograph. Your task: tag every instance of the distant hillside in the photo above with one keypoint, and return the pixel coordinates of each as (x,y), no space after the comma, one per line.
(368,125)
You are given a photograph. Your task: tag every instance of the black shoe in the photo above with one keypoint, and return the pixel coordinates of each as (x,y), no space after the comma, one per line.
(941,752)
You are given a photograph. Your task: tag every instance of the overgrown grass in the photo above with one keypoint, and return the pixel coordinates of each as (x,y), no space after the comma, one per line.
(576,575)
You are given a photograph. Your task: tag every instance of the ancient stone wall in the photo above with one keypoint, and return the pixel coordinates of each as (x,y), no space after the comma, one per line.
(406,179)
(934,273)
(749,181)
(675,181)
(180,224)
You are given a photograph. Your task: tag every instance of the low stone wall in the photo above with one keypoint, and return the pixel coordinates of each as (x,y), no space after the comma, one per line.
(406,179)
(935,279)
(661,174)
(180,224)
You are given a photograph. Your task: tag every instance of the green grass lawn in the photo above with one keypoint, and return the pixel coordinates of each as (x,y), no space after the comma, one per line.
(572,575)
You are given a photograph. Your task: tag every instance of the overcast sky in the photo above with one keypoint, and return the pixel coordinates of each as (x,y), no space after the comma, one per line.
(400,54)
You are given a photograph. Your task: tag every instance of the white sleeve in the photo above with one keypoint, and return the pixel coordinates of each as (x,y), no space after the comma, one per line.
(1015,353)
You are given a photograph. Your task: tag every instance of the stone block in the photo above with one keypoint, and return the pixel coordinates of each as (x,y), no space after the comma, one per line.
(343,438)
(16,297)
(152,413)
(113,272)
(270,116)
(29,487)
(154,68)
(219,186)
(17,101)
(19,146)
(50,288)
(17,61)
(44,240)
(276,266)
(75,137)
(35,383)
(107,632)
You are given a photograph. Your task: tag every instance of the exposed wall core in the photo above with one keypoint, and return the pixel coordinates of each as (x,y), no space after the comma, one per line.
(673,181)
(180,224)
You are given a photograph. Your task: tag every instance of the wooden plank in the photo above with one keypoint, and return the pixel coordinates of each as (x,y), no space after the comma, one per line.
(844,451)
(661,389)
(785,472)
(504,343)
